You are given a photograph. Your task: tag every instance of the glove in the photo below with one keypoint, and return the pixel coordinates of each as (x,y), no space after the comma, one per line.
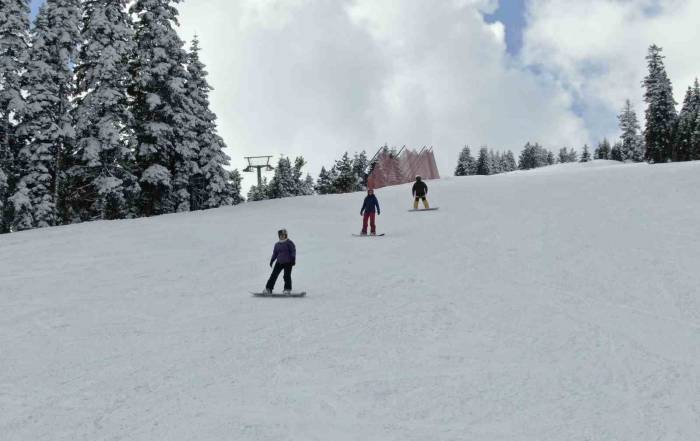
(294,262)
(378,212)
(271,262)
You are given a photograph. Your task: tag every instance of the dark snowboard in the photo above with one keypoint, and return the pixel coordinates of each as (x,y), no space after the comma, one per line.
(279,294)
(368,235)
(426,209)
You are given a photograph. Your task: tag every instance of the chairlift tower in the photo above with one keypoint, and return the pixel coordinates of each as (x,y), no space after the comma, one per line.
(258,163)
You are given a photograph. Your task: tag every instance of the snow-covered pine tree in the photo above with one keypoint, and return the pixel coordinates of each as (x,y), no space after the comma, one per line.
(345,179)
(687,120)
(511,165)
(234,182)
(632,143)
(483,162)
(695,137)
(304,186)
(586,155)
(283,184)
(324,183)
(102,182)
(616,152)
(466,165)
(308,185)
(603,150)
(527,158)
(360,165)
(14,50)
(563,155)
(548,157)
(661,109)
(46,124)
(696,141)
(166,150)
(209,184)
(259,192)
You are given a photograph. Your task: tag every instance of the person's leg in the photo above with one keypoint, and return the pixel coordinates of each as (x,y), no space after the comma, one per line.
(372,223)
(425,202)
(415,203)
(273,277)
(364,223)
(288,277)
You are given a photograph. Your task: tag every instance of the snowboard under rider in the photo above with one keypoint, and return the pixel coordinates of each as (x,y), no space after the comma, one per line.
(420,191)
(370,207)
(285,255)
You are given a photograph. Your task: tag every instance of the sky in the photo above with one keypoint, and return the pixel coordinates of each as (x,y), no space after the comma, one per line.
(319,77)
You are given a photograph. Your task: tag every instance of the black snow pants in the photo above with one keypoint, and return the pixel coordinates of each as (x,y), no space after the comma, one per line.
(279,267)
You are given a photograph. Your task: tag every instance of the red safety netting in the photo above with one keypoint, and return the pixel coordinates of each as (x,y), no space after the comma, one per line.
(391,168)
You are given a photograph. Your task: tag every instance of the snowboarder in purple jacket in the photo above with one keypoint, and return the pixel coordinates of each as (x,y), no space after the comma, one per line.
(285,255)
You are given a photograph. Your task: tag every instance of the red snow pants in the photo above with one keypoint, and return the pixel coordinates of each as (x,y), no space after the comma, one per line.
(369,217)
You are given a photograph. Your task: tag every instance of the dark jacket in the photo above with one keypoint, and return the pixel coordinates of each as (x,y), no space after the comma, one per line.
(420,189)
(370,205)
(285,252)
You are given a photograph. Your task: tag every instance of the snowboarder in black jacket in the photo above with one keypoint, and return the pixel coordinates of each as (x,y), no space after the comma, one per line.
(420,191)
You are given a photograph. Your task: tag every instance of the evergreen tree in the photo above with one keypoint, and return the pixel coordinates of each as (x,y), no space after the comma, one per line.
(234,185)
(14,50)
(534,156)
(511,165)
(632,144)
(209,184)
(102,182)
(696,140)
(466,165)
(616,152)
(687,120)
(360,165)
(324,183)
(483,163)
(661,109)
(166,152)
(46,121)
(345,179)
(586,155)
(283,184)
(695,136)
(603,150)
(563,155)
(259,192)
(307,187)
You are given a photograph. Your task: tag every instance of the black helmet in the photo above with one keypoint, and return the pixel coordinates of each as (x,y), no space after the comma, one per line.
(282,232)
(418,178)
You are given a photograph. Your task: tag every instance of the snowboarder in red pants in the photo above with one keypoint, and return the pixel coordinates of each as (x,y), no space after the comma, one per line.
(369,207)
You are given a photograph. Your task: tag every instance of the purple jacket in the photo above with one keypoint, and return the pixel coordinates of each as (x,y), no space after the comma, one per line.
(284,252)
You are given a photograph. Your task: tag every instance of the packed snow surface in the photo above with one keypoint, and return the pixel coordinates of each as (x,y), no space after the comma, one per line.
(557,304)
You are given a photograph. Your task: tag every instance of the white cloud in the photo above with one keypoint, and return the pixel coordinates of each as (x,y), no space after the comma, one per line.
(318,77)
(597,49)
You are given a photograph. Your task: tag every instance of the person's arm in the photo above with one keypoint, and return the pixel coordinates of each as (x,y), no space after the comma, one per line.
(376,203)
(362,210)
(414,189)
(293,252)
(275,252)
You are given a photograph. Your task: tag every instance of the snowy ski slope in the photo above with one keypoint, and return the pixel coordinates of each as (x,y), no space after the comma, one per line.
(556,304)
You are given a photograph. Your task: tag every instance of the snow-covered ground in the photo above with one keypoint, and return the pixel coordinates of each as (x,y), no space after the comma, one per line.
(557,304)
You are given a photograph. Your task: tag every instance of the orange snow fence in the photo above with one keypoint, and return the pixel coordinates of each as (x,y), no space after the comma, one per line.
(391,168)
